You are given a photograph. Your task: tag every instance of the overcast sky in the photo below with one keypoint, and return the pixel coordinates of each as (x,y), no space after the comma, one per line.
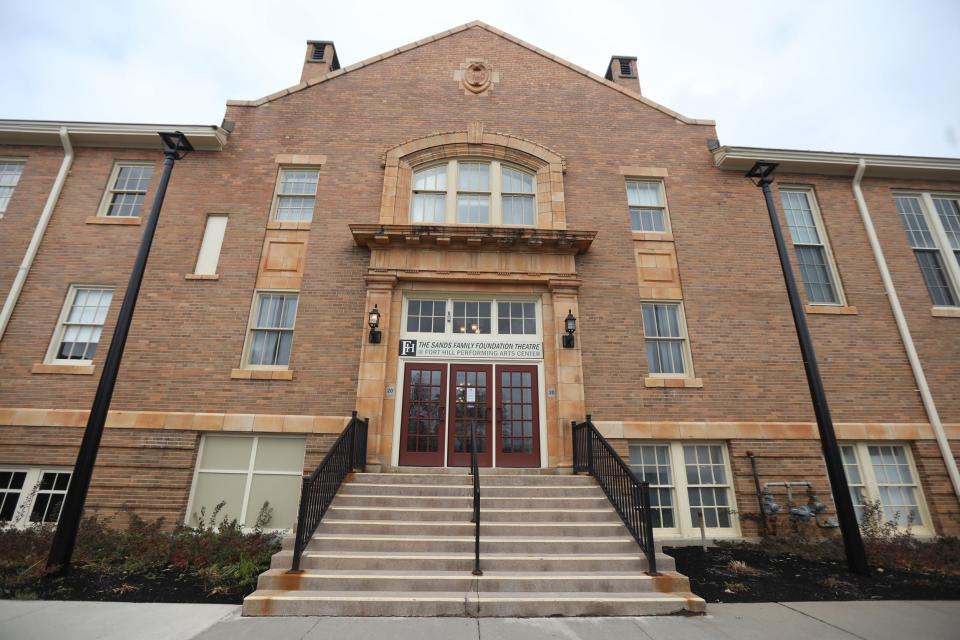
(872,76)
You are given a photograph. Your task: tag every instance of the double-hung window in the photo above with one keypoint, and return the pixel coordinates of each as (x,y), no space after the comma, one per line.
(517,196)
(296,195)
(81,325)
(32,496)
(9,177)
(473,192)
(429,195)
(271,329)
(817,269)
(935,238)
(648,208)
(687,481)
(885,473)
(665,335)
(127,190)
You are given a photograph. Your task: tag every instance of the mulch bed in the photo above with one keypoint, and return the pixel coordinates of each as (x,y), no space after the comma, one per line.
(788,578)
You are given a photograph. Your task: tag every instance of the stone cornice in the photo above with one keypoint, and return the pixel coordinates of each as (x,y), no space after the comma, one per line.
(383,236)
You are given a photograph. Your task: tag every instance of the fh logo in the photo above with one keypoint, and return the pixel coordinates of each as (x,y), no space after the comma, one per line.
(408,347)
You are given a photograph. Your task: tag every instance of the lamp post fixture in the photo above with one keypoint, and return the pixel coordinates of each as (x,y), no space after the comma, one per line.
(374,321)
(176,147)
(570,324)
(762,175)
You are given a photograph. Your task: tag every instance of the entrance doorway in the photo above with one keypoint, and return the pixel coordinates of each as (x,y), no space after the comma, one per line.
(442,401)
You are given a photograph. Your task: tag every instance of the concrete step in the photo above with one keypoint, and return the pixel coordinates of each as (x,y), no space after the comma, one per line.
(464,544)
(493,581)
(467,604)
(461,478)
(466,502)
(515,491)
(487,529)
(419,514)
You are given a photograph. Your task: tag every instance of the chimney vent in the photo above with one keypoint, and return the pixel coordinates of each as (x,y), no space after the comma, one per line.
(319,60)
(623,71)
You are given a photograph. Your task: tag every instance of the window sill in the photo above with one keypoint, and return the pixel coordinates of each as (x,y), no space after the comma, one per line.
(673,383)
(202,276)
(262,374)
(945,312)
(286,225)
(664,236)
(131,220)
(67,369)
(829,309)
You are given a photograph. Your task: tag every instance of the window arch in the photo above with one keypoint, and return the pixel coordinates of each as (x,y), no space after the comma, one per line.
(473,191)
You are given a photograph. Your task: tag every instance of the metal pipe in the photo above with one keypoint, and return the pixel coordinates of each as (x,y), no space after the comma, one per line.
(38,232)
(928,404)
(849,527)
(65,536)
(756,483)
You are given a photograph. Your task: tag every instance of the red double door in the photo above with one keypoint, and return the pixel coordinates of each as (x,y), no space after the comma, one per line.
(442,402)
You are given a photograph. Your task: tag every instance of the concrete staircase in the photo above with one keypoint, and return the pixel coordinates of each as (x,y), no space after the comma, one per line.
(401,544)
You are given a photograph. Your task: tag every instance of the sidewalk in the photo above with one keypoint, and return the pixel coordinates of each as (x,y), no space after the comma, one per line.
(877,620)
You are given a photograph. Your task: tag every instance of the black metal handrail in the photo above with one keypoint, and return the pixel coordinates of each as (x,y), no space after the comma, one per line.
(475,472)
(630,496)
(349,452)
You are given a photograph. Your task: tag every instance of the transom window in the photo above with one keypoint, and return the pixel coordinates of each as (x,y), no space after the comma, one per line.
(296,195)
(648,209)
(934,237)
(473,192)
(886,473)
(9,177)
(686,480)
(809,242)
(81,325)
(125,196)
(271,329)
(472,317)
(665,334)
(32,496)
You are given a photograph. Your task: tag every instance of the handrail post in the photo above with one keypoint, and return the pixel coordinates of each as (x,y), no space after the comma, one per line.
(353,438)
(589,433)
(363,447)
(476,498)
(650,549)
(301,517)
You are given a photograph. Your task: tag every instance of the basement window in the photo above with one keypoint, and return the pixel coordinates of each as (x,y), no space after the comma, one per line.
(886,473)
(32,496)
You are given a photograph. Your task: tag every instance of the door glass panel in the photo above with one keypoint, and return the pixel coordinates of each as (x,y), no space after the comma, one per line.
(425,411)
(472,409)
(516,410)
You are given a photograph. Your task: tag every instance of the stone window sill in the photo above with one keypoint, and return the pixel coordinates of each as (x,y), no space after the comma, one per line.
(673,383)
(131,220)
(945,312)
(64,369)
(651,235)
(202,276)
(262,374)
(828,309)
(288,225)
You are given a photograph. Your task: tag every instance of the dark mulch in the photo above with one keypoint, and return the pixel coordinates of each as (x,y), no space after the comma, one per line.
(789,578)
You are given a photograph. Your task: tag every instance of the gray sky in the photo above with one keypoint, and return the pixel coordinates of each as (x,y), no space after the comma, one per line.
(872,76)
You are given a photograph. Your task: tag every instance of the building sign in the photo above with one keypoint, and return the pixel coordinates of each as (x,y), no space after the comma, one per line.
(497,349)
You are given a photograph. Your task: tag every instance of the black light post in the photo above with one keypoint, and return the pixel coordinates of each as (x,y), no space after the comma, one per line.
(762,172)
(65,537)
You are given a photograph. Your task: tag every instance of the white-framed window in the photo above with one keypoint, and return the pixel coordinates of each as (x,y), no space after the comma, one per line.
(471,316)
(296,194)
(932,223)
(209,254)
(648,206)
(687,479)
(811,246)
(473,192)
(10,172)
(665,336)
(270,334)
(32,495)
(80,325)
(886,472)
(127,190)
(244,473)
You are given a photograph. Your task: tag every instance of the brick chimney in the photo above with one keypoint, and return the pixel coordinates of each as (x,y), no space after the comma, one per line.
(320,59)
(623,71)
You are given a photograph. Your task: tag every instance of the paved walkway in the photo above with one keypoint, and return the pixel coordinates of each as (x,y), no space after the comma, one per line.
(894,620)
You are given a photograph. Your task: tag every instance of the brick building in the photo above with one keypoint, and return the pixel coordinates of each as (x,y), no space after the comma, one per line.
(475,190)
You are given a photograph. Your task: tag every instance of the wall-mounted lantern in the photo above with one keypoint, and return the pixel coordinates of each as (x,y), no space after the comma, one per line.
(570,323)
(374,321)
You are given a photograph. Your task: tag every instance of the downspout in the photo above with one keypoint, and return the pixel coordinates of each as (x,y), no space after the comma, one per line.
(912,356)
(41,228)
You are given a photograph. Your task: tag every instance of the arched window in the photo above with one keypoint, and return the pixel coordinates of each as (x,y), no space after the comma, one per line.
(473,192)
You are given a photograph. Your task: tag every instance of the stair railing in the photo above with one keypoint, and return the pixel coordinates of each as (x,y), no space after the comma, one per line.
(630,496)
(475,472)
(349,452)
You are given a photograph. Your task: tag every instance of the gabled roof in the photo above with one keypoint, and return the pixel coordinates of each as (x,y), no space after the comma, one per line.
(443,34)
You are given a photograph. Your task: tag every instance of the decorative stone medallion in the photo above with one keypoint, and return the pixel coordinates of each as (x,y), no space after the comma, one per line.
(476,76)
